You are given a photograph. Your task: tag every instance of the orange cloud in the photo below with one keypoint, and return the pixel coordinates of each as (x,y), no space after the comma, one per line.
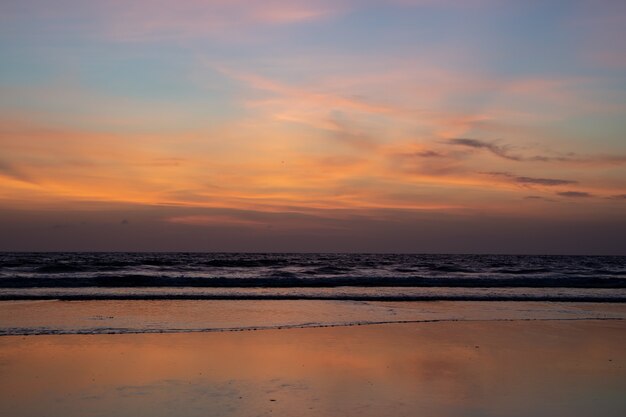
(343,142)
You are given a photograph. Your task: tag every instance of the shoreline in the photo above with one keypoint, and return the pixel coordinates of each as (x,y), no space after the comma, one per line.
(112,332)
(287,297)
(54,317)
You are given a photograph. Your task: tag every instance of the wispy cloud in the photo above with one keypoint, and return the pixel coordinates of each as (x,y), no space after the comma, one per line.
(10,171)
(507,151)
(157,20)
(290,94)
(429,154)
(575,194)
(502,151)
(427,162)
(154,20)
(523,180)
(537,197)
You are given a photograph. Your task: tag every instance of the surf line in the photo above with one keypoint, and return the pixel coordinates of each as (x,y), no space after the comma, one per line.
(120,331)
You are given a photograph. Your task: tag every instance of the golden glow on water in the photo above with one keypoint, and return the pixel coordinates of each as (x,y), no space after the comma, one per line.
(434,369)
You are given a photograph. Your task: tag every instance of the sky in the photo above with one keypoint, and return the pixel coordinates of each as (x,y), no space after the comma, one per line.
(477,126)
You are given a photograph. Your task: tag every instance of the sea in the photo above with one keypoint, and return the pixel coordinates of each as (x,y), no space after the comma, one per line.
(118,292)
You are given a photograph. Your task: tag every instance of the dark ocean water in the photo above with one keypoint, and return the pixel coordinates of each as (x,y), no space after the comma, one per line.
(85,276)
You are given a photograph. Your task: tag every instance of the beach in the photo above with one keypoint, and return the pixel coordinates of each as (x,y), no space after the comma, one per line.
(312,208)
(359,335)
(506,365)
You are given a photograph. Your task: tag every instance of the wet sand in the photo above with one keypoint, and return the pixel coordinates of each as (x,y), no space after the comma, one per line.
(174,316)
(482,368)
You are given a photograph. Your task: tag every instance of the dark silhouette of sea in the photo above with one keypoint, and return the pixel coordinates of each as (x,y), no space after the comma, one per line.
(373,277)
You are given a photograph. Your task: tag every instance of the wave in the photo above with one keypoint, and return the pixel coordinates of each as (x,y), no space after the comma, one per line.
(61,268)
(358,277)
(50,262)
(286,279)
(244,263)
(355,293)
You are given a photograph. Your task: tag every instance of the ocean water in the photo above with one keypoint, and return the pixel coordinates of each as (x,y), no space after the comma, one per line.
(102,293)
(365,277)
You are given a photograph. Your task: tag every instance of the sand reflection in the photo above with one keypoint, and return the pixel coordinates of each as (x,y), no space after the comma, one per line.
(428,369)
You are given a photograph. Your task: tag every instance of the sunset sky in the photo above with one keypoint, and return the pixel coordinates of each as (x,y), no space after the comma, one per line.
(487,126)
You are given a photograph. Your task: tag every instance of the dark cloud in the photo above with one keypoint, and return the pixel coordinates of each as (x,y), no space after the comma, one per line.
(429,154)
(8,170)
(618,197)
(543,181)
(501,151)
(427,163)
(531,180)
(507,152)
(574,194)
(537,197)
